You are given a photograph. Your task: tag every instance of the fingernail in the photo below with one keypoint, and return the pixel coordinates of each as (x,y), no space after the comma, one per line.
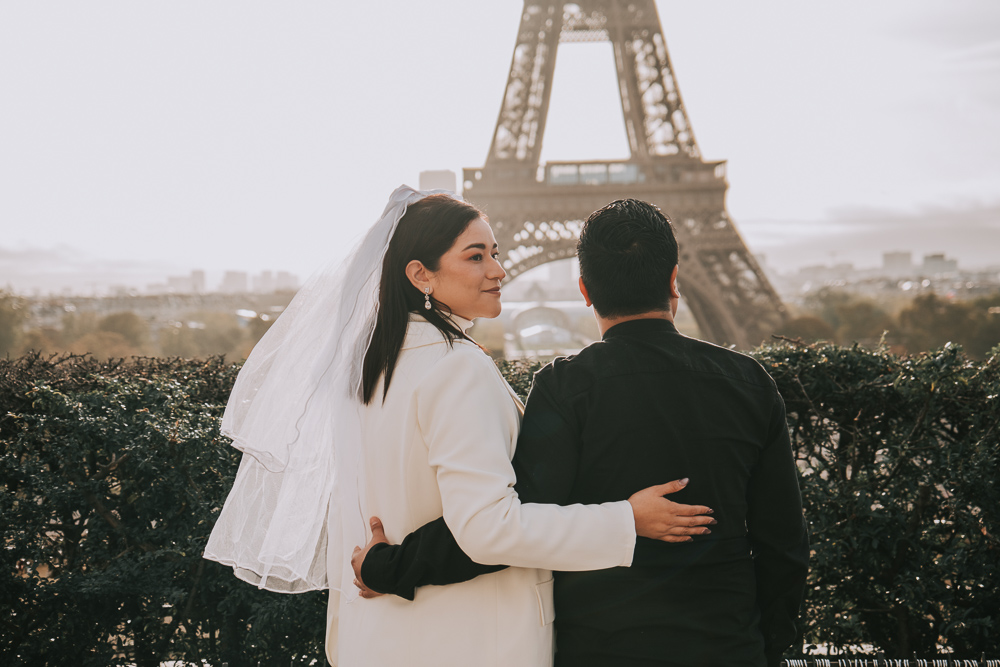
(707,532)
(685,481)
(712,522)
(711,511)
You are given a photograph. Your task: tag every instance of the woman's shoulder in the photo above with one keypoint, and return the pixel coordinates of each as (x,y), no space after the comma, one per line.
(462,352)
(463,378)
(421,333)
(451,361)
(425,345)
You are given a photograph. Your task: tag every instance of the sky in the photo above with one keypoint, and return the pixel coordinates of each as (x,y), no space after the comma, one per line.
(153,138)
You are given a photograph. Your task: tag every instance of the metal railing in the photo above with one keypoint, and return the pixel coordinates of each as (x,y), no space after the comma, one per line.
(868,661)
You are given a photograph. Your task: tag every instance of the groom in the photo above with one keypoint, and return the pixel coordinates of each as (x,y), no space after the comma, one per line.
(643,404)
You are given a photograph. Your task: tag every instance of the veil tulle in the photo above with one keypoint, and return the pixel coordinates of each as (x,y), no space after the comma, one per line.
(294,412)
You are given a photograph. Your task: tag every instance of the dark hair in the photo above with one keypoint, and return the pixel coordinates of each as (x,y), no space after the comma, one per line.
(627,252)
(425,232)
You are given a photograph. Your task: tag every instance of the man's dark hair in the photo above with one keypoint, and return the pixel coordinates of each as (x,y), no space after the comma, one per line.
(627,252)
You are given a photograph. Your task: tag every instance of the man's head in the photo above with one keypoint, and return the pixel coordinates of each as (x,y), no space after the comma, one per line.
(628,254)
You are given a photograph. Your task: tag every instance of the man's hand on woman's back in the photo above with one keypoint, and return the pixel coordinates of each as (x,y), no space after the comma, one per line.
(358,557)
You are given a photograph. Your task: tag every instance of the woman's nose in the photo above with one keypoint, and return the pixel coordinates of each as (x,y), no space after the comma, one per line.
(497,270)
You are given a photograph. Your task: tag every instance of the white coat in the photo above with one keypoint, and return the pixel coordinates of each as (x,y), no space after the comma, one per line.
(441,445)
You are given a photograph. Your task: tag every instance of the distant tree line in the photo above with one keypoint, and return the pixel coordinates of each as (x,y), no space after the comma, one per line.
(125,334)
(112,475)
(926,322)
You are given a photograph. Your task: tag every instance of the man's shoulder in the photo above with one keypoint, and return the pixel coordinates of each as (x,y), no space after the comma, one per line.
(711,358)
(678,354)
(576,371)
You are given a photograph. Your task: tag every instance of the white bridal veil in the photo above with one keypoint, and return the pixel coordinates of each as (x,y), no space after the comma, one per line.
(295,414)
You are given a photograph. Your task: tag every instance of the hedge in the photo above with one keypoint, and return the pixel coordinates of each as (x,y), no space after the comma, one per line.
(113,473)
(899,464)
(112,476)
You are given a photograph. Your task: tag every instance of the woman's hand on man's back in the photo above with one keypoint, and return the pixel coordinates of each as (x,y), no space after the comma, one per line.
(661,519)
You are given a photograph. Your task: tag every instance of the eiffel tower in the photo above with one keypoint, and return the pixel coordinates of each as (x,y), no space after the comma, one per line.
(537,210)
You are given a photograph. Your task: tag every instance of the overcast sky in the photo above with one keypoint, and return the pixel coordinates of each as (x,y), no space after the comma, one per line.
(164,136)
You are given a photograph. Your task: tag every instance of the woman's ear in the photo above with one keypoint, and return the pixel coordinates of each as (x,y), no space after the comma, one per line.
(673,285)
(418,274)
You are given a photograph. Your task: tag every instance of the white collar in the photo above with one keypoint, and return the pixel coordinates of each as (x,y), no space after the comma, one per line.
(420,332)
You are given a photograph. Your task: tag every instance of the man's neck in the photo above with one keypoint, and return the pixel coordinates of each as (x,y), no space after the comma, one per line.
(605,323)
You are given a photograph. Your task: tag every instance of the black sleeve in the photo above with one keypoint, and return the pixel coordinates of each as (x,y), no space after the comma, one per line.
(778,537)
(544,462)
(429,556)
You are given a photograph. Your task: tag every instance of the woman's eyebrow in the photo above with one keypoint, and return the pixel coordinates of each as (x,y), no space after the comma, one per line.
(480,246)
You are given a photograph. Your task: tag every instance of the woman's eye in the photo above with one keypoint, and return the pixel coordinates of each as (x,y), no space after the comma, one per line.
(478,257)
(496,256)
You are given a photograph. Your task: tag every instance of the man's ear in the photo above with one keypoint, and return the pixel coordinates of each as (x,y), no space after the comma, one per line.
(583,291)
(673,285)
(418,274)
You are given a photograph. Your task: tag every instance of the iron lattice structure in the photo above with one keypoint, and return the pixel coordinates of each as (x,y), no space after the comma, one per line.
(537,210)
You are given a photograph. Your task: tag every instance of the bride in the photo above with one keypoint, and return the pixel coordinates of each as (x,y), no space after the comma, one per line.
(367,397)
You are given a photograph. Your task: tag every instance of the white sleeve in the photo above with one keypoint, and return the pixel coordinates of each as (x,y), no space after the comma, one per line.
(463,416)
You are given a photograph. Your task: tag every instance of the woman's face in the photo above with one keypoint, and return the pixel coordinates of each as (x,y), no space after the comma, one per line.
(468,278)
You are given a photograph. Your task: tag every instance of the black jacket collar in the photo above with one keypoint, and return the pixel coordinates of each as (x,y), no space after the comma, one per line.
(633,327)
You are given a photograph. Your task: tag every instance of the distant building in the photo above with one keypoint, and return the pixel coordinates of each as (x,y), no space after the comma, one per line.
(822,272)
(263,283)
(897,263)
(198,281)
(190,284)
(121,290)
(286,282)
(937,264)
(441,179)
(234,282)
(178,285)
(267,282)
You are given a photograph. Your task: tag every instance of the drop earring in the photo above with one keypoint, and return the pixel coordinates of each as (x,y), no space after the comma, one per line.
(427,298)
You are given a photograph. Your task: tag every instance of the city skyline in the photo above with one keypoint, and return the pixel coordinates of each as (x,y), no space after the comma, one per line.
(271,139)
(63,274)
